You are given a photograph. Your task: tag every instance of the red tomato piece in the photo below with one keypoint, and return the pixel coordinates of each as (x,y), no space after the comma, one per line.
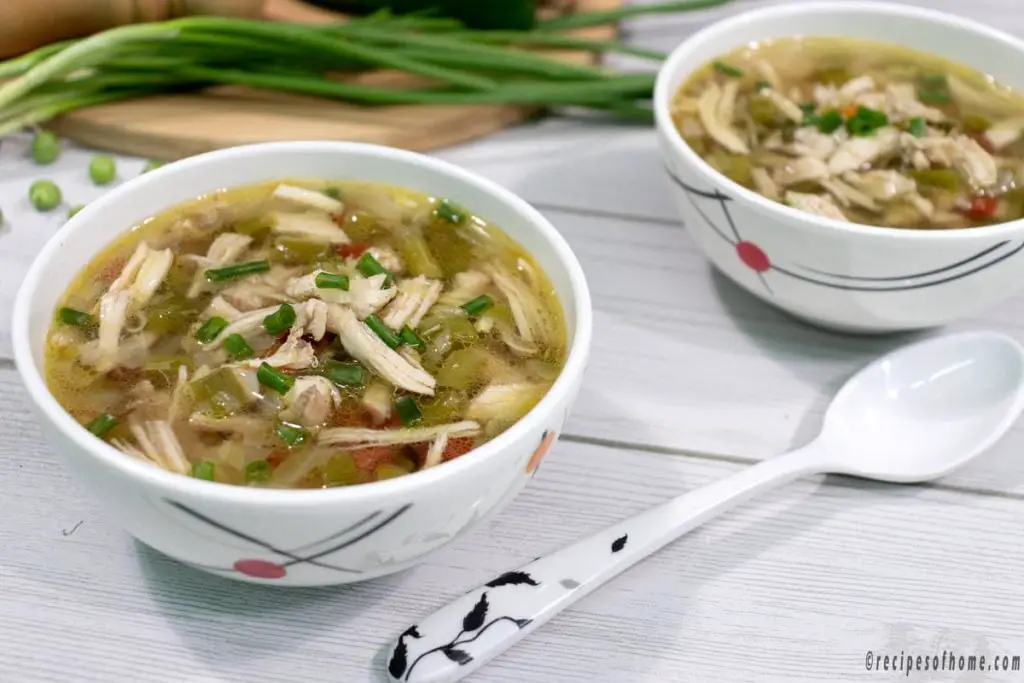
(353,250)
(983,207)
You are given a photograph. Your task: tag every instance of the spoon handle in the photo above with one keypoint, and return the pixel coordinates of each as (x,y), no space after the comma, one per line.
(465,634)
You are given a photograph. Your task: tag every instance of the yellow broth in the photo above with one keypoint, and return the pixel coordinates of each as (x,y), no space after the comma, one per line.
(159,344)
(860,131)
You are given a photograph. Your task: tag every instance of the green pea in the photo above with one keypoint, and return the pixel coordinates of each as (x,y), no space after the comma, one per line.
(151,165)
(75,209)
(45,147)
(102,169)
(44,195)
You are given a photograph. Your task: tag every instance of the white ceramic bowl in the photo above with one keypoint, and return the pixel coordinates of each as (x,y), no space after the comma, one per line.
(830,273)
(299,537)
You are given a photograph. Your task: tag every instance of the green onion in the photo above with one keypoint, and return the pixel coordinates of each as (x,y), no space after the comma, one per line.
(102,424)
(209,330)
(272,379)
(280,321)
(866,121)
(257,472)
(369,266)
(614,16)
(408,412)
(70,316)
(934,96)
(446,211)
(45,147)
(102,169)
(292,435)
(808,107)
(345,374)
(331,281)
(44,195)
(410,337)
(478,305)
(383,331)
(203,469)
(237,346)
(828,122)
(918,127)
(762,85)
(727,69)
(237,270)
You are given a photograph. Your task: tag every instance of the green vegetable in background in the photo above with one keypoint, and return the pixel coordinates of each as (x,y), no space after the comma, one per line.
(45,147)
(484,14)
(102,169)
(44,195)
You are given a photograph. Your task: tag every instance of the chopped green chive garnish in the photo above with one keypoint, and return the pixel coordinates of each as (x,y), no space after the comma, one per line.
(478,305)
(210,330)
(762,85)
(272,379)
(70,316)
(408,412)
(383,331)
(237,270)
(808,107)
(331,281)
(934,96)
(257,472)
(369,266)
(102,424)
(345,374)
(728,69)
(410,337)
(866,121)
(203,470)
(280,321)
(918,127)
(237,346)
(828,122)
(449,212)
(292,435)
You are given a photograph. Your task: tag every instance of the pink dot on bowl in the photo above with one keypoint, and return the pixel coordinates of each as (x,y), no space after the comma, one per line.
(753,257)
(260,569)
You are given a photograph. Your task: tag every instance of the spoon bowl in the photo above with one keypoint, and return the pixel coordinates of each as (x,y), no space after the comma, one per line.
(926,409)
(913,415)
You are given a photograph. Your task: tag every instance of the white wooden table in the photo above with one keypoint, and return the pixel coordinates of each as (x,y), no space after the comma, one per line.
(690,380)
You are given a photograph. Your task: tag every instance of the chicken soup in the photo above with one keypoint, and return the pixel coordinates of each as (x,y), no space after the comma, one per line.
(306,334)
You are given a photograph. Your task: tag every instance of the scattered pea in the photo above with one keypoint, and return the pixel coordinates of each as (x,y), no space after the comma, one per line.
(75,209)
(45,147)
(152,165)
(44,195)
(102,169)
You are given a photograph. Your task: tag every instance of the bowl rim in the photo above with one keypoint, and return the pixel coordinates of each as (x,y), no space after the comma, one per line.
(678,62)
(105,455)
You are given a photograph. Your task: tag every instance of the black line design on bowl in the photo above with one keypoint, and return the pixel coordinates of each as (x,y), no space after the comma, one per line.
(269,569)
(752,256)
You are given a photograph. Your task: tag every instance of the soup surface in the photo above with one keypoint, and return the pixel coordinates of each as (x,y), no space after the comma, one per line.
(860,131)
(304,334)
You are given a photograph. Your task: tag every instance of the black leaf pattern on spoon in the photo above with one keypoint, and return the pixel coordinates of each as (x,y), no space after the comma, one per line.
(512,579)
(619,543)
(460,657)
(477,615)
(396,667)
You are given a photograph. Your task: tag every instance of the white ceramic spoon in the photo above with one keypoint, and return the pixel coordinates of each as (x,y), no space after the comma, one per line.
(911,416)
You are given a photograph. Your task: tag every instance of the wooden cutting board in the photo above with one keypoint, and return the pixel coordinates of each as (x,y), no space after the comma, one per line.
(176,126)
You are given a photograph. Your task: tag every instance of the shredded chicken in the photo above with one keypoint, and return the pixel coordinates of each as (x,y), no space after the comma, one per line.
(528,312)
(224,250)
(821,205)
(387,257)
(466,286)
(857,152)
(504,401)
(415,297)
(716,108)
(377,402)
(156,443)
(790,109)
(366,347)
(849,196)
(310,401)
(311,226)
(221,308)
(365,295)
(436,450)
(762,182)
(308,198)
(1004,133)
(801,170)
(357,436)
(882,185)
(232,424)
